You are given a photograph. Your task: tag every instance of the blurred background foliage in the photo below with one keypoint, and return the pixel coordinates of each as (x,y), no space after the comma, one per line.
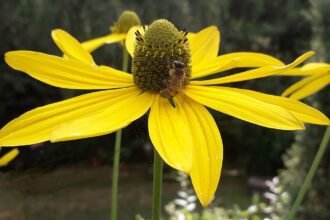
(299,157)
(281,28)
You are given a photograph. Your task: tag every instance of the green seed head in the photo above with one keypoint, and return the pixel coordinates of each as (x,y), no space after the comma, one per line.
(155,51)
(126,20)
(161,33)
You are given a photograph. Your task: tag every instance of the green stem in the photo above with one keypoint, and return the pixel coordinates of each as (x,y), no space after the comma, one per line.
(115,176)
(116,156)
(157,186)
(125,60)
(310,174)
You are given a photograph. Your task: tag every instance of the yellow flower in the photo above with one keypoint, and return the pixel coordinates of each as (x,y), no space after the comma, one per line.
(8,157)
(186,136)
(119,30)
(317,77)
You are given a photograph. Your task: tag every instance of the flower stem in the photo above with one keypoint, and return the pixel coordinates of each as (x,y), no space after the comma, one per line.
(116,156)
(115,176)
(125,59)
(157,186)
(310,174)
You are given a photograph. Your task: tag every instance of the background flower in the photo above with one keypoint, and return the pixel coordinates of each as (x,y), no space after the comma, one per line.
(126,20)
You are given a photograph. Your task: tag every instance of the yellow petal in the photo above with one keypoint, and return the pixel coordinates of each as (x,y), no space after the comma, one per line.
(208,151)
(93,44)
(67,73)
(293,72)
(130,38)
(312,87)
(244,107)
(316,66)
(171,134)
(8,157)
(37,125)
(204,45)
(308,69)
(233,60)
(71,47)
(301,83)
(210,67)
(120,112)
(300,110)
(254,73)
(190,36)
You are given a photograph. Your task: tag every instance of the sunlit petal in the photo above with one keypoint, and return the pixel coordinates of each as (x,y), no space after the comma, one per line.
(67,73)
(301,83)
(312,87)
(71,47)
(300,110)
(204,45)
(233,60)
(37,125)
(211,66)
(254,73)
(95,43)
(130,38)
(308,69)
(294,72)
(208,152)
(8,157)
(314,66)
(121,112)
(245,107)
(171,134)
(190,35)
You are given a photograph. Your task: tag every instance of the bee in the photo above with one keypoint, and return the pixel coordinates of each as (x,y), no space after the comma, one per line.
(176,81)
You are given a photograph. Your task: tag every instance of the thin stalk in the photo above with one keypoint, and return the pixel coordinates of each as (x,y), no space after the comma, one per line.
(116,156)
(157,186)
(125,59)
(310,174)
